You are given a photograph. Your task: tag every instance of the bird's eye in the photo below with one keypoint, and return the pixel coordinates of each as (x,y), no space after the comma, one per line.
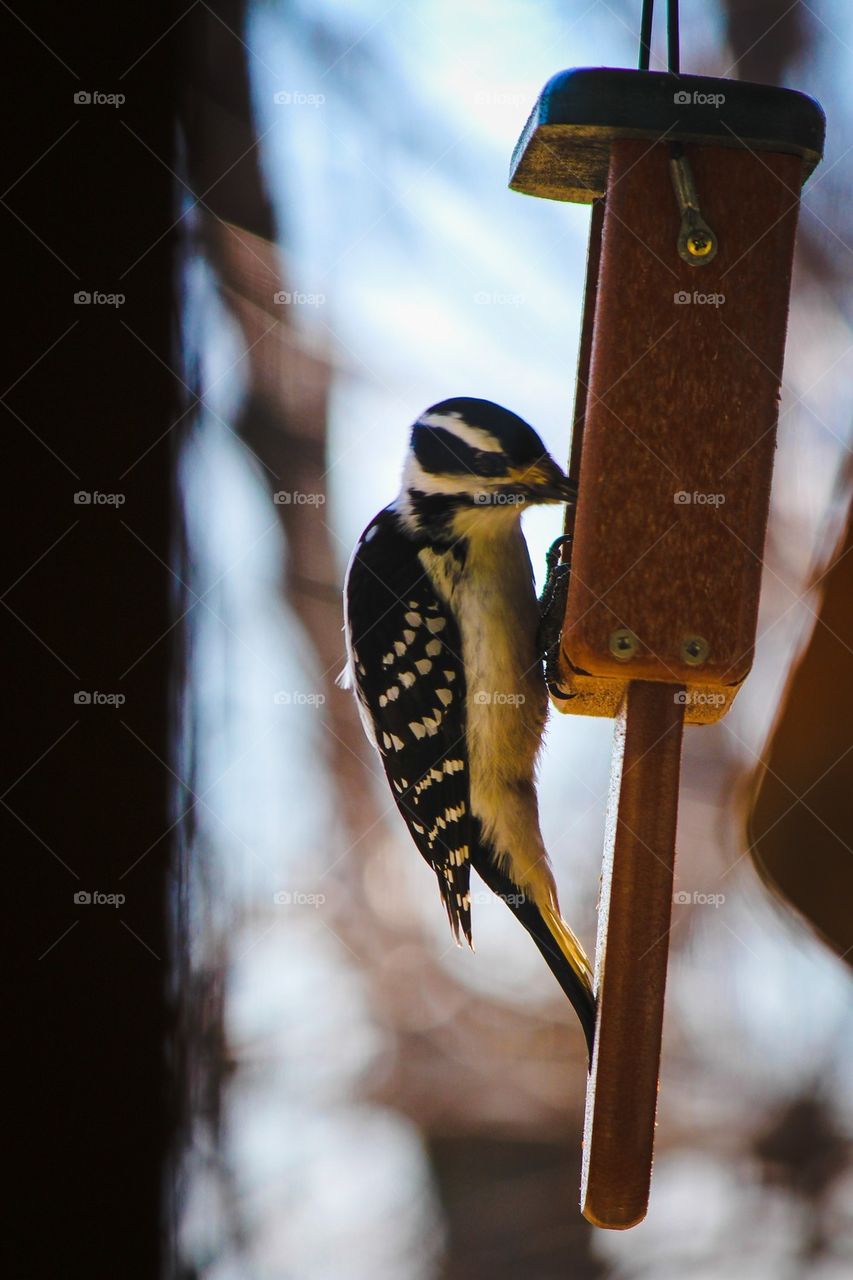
(490,464)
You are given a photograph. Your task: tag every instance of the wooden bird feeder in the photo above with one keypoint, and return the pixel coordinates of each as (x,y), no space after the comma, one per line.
(695,186)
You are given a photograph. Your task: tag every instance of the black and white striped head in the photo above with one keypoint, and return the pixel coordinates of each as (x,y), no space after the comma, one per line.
(472,463)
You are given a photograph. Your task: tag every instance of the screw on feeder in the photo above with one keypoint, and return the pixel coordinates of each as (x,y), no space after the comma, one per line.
(696,243)
(623,644)
(695,650)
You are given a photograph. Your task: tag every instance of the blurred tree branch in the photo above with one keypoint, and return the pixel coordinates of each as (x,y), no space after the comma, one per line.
(283,415)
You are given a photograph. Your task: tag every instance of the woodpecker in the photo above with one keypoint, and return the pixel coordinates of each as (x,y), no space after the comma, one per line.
(441,623)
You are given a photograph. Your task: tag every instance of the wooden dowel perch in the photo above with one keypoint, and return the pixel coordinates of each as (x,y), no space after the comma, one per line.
(631,955)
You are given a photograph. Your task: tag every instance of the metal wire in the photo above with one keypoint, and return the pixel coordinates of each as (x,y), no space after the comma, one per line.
(646,35)
(672,49)
(673,53)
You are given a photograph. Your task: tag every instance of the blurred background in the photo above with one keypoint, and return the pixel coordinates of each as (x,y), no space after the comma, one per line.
(363,1099)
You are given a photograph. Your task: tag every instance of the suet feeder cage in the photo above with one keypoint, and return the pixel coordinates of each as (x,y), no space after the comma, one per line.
(694,184)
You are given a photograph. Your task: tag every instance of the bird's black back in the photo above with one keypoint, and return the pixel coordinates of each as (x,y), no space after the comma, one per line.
(410,680)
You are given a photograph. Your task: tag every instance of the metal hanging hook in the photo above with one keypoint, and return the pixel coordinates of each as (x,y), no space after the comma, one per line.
(696,242)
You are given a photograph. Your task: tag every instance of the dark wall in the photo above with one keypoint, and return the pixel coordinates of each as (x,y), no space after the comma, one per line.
(88,404)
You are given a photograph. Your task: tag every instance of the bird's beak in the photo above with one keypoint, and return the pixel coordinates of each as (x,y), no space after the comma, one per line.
(547,483)
(564,489)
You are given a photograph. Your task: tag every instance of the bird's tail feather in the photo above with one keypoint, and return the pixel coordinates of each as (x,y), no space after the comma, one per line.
(569,944)
(560,949)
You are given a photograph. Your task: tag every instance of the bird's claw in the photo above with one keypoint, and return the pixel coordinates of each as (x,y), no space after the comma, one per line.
(552,608)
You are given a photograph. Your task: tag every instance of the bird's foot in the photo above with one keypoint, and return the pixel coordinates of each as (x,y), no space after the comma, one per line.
(552,608)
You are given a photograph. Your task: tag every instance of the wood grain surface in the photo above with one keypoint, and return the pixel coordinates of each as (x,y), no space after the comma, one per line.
(631,956)
(682,404)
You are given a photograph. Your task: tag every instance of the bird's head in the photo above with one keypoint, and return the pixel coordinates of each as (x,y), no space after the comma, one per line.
(473,466)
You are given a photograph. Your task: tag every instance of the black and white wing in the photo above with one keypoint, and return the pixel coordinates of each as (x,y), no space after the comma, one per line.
(406,665)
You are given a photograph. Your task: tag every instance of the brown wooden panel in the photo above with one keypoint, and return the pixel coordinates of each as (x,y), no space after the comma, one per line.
(631,956)
(683,399)
(801,818)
